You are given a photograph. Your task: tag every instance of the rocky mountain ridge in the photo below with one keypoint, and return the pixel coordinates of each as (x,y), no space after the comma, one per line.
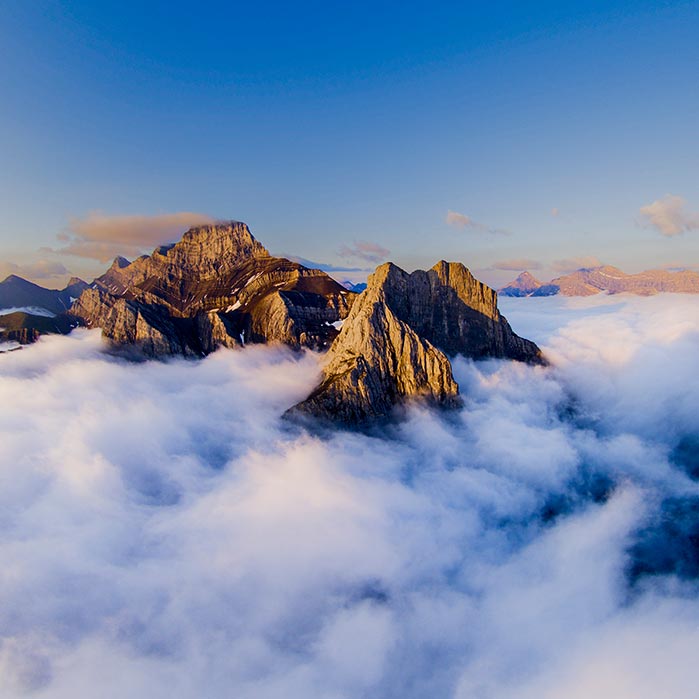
(217,286)
(395,341)
(16,292)
(594,280)
(28,310)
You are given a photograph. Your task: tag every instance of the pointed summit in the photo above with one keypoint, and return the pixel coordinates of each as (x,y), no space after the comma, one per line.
(525,285)
(119,262)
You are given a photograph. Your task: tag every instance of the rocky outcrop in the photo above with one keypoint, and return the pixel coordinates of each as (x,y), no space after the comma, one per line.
(218,286)
(395,341)
(525,285)
(594,280)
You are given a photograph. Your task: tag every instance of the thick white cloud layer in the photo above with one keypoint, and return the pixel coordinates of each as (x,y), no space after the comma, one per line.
(163,533)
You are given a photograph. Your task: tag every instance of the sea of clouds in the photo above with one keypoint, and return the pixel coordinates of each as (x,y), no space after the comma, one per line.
(164,533)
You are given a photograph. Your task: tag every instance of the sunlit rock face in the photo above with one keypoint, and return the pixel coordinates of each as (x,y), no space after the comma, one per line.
(395,341)
(217,286)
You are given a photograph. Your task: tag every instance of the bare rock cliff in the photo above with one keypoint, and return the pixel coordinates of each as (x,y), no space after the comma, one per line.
(394,343)
(217,286)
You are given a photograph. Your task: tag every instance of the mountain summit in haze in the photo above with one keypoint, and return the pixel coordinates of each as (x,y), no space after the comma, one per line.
(525,285)
(594,280)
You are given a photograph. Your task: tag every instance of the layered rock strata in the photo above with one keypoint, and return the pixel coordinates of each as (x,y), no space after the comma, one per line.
(395,341)
(217,286)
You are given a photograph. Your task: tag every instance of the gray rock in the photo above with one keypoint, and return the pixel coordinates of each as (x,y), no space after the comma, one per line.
(218,286)
(394,343)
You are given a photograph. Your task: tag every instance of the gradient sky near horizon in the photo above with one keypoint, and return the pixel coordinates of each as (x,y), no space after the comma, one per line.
(503,134)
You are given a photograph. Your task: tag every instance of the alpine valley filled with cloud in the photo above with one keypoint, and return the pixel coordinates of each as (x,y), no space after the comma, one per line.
(539,541)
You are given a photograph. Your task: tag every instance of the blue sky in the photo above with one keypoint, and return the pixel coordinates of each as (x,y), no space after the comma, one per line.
(348,134)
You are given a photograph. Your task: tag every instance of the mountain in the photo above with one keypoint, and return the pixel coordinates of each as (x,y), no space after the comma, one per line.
(525,285)
(351,286)
(25,328)
(395,341)
(19,293)
(594,280)
(28,310)
(217,286)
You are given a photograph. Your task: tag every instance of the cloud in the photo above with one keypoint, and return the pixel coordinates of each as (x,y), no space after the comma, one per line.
(41,269)
(214,550)
(517,265)
(364,250)
(572,264)
(453,218)
(102,237)
(669,217)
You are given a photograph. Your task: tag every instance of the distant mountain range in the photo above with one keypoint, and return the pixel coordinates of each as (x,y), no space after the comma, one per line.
(219,286)
(594,280)
(17,292)
(351,286)
(28,310)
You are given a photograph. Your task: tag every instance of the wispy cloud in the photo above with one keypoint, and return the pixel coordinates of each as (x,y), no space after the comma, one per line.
(364,250)
(517,265)
(571,264)
(669,216)
(41,269)
(457,220)
(99,236)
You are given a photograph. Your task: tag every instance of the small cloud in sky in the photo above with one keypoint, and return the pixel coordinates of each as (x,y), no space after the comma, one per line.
(41,269)
(364,250)
(669,216)
(517,265)
(572,264)
(555,211)
(99,236)
(457,220)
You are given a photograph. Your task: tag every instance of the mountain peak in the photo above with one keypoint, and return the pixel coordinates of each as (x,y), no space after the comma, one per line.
(73,281)
(524,285)
(209,246)
(119,262)
(395,341)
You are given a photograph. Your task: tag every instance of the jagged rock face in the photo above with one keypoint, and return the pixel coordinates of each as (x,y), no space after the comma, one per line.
(217,286)
(525,285)
(174,272)
(392,345)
